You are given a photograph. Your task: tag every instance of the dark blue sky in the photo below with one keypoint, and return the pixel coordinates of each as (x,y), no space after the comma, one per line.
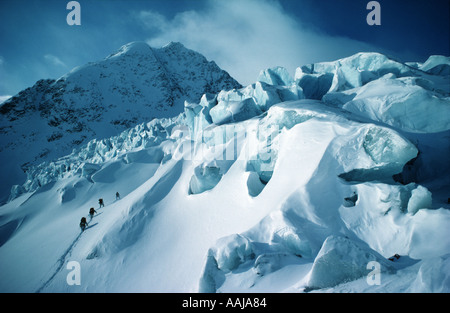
(418,25)
(243,37)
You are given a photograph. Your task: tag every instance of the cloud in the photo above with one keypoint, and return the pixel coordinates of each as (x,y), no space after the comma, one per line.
(54,60)
(4,98)
(245,37)
(152,20)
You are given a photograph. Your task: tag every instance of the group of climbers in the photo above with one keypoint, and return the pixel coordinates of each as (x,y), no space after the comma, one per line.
(83,223)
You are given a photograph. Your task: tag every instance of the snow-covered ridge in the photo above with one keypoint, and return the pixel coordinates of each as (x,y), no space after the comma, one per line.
(297,184)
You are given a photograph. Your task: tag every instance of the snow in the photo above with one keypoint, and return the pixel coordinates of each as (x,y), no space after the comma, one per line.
(341,260)
(436,65)
(421,198)
(241,104)
(432,276)
(234,111)
(231,251)
(314,86)
(382,153)
(286,185)
(197,115)
(347,73)
(401,102)
(205,178)
(278,76)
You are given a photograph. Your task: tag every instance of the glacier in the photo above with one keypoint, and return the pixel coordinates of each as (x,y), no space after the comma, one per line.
(290,184)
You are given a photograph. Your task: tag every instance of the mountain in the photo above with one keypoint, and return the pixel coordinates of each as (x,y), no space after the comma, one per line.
(335,180)
(100,99)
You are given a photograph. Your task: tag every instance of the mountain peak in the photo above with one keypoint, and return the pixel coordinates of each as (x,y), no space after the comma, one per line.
(142,48)
(174,45)
(131,48)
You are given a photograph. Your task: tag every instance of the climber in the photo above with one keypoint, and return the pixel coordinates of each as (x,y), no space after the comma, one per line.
(83,223)
(351,201)
(100,201)
(117,196)
(394,257)
(92,212)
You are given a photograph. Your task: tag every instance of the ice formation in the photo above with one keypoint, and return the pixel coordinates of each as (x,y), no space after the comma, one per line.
(205,177)
(436,65)
(342,260)
(405,103)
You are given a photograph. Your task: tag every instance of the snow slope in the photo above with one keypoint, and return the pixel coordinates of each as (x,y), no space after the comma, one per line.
(254,189)
(99,100)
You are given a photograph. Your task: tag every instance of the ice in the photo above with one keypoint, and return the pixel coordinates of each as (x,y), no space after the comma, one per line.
(254,184)
(420,199)
(381,153)
(68,193)
(348,73)
(128,146)
(381,209)
(351,201)
(401,103)
(437,65)
(231,251)
(274,243)
(280,117)
(267,263)
(263,162)
(228,253)
(293,241)
(431,163)
(282,232)
(197,115)
(88,169)
(234,111)
(263,159)
(205,177)
(278,76)
(314,86)
(267,95)
(16,191)
(150,155)
(433,276)
(415,65)
(428,227)
(381,218)
(240,104)
(245,103)
(263,165)
(212,278)
(384,146)
(342,260)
